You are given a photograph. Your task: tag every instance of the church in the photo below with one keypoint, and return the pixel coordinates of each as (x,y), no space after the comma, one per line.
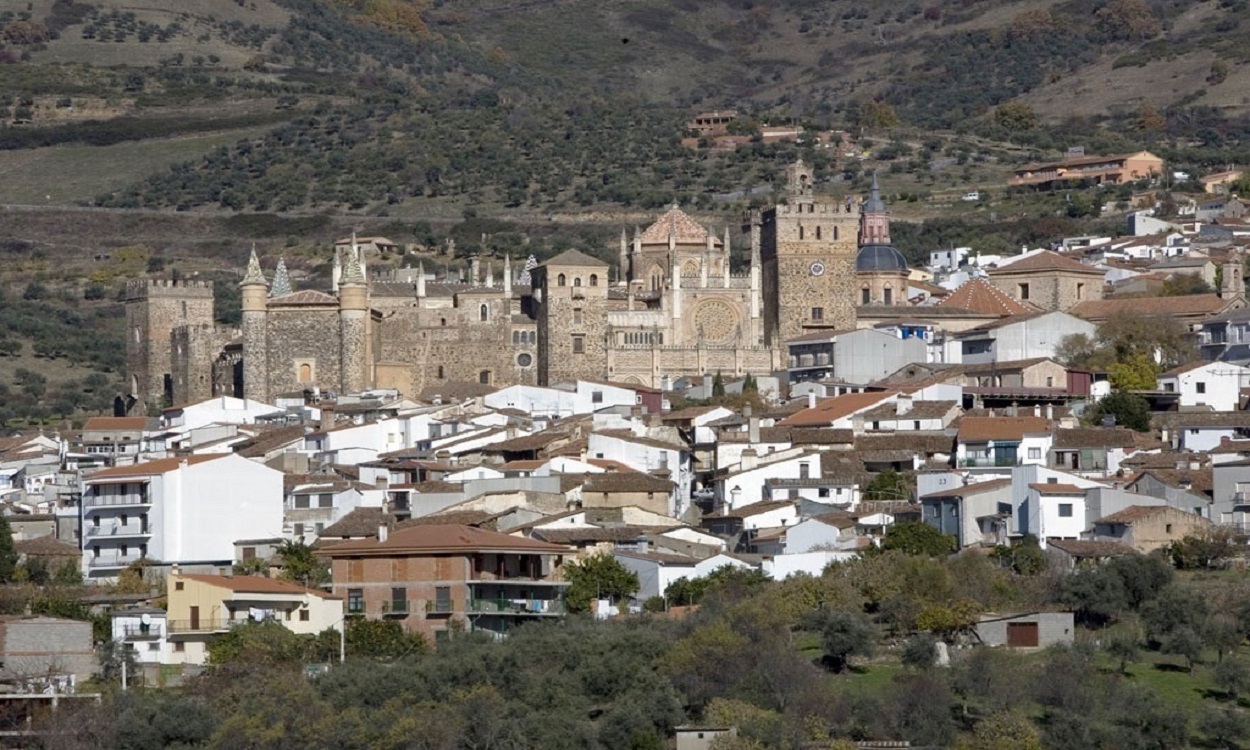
(677,308)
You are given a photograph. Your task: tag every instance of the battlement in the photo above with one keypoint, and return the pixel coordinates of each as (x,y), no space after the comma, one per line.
(172,288)
(845,209)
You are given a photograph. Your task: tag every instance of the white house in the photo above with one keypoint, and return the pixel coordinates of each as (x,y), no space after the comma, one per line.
(827,532)
(1215,385)
(989,442)
(176,510)
(312,506)
(584,398)
(1055,510)
(746,483)
(357,443)
(145,631)
(647,455)
(1019,337)
(656,571)
(221,410)
(780,567)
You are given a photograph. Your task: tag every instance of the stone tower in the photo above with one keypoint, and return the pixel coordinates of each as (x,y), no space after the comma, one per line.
(353,314)
(807,249)
(1232,282)
(255,332)
(571,294)
(153,310)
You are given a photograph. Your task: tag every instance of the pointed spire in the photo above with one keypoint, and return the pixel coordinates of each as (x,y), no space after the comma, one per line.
(352,273)
(530,264)
(507,275)
(874,205)
(254,274)
(281,281)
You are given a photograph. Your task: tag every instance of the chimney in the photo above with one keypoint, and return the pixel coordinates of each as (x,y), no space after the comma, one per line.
(753,428)
(1037,410)
(1013,410)
(749,460)
(811,399)
(383,531)
(1050,411)
(903,404)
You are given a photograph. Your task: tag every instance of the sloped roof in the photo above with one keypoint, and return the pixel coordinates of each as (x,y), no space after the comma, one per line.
(626,481)
(980,296)
(1094,437)
(977,429)
(46,546)
(153,468)
(828,410)
(360,522)
(1057,488)
(116,423)
(1135,513)
(442,539)
(754,509)
(969,489)
(1047,261)
(1090,548)
(1186,304)
(255,585)
(685,230)
(574,258)
(305,297)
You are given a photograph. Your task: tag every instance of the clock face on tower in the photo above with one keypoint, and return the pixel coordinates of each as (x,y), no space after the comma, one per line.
(817,268)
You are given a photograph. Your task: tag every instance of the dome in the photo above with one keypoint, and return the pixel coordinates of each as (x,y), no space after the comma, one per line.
(880,258)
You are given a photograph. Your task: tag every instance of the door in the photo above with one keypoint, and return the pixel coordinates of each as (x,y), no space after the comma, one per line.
(195,618)
(1022,634)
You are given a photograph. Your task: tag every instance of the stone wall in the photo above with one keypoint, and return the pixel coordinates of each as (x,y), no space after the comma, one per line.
(559,330)
(195,350)
(153,310)
(1050,290)
(301,337)
(808,251)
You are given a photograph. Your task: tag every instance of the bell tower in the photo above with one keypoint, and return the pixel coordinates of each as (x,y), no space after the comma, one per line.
(807,247)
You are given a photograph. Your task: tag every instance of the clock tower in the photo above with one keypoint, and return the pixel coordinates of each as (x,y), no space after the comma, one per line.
(807,247)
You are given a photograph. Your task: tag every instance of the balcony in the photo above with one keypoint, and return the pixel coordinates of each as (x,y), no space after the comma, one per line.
(487,577)
(440,607)
(108,531)
(203,625)
(396,608)
(113,561)
(110,500)
(988,461)
(517,607)
(142,632)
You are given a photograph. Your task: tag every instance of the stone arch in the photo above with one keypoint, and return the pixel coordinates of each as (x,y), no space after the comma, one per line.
(690,267)
(305,373)
(483,313)
(632,380)
(594,279)
(560,280)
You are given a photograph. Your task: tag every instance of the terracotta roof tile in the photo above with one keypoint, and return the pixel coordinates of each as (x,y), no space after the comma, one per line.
(116,423)
(442,539)
(980,296)
(255,585)
(153,468)
(825,412)
(46,546)
(1135,513)
(978,429)
(1090,548)
(1057,488)
(970,489)
(305,297)
(1094,437)
(686,230)
(1189,304)
(1046,261)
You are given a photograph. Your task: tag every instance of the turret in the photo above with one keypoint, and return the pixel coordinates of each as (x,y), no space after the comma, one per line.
(255,308)
(507,277)
(353,312)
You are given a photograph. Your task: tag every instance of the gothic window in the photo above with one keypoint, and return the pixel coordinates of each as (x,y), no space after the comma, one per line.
(888,296)
(560,280)
(484,313)
(577,281)
(184,309)
(136,334)
(516,337)
(533,337)
(865,296)
(594,279)
(690,268)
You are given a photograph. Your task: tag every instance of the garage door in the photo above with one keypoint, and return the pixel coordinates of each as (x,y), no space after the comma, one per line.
(1021,634)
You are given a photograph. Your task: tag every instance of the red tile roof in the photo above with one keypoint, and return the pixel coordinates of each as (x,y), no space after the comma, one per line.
(1055,488)
(116,423)
(980,429)
(1046,261)
(153,468)
(825,412)
(442,539)
(686,230)
(1188,304)
(979,295)
(255,585)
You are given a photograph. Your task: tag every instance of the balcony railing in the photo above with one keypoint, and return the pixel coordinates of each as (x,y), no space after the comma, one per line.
(92,500)
(440,606)
(517,606)
(203,625)
(142,632)
(974,462)
(113,561)
(396,607)
(117,531)
(486,576)
(355,608)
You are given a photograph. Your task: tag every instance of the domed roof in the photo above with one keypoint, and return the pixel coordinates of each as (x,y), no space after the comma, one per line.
(880,258)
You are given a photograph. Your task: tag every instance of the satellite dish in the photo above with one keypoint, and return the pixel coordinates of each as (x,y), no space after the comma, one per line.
(145,618)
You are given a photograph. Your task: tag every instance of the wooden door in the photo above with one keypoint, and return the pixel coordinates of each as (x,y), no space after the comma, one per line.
(195,618)
(1022,634)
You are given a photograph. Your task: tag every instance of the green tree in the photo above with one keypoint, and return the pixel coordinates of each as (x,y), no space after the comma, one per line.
(718,386)
(260,643)
(301,564)
(920,651)
(843,635)
(1138,373)
(1006,730)
(1129,409)
(1124,648)
(1015,116)
(1183,284)
(918,538)
(1232,676)
(8,552)
(888,485)
(599,576)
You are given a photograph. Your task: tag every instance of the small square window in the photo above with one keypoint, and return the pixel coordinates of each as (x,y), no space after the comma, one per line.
(1035,452)
(303,615)
(579,344)
(180,646)
(179,585)
(1065,510)
(1200,387)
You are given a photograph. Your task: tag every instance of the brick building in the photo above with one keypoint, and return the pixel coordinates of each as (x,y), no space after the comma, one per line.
(429,576)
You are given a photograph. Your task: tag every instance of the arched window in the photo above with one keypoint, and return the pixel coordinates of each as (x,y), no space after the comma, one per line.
(484,312)
(533,337)
(865,296)
(440,372)
(516,337)
(594,279)
(577,281)
(305,373)
(560,281)
(800,232)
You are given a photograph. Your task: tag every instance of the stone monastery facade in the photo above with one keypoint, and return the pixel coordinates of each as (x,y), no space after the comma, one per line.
(675,309)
